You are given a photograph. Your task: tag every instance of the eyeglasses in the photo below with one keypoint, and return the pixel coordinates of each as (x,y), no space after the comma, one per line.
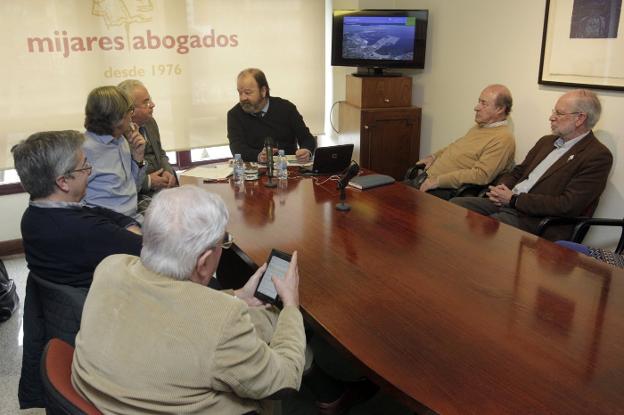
(558,114)
(227,242)
(86,167)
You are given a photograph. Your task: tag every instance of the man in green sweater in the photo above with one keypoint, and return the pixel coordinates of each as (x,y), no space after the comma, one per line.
(478,157)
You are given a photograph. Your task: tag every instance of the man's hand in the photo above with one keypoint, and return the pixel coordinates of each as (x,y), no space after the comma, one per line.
(428,184)
(247,292)
(262,156)
(171,179)
(426,161)
(161,179)
(288,288)
(136,141)
(303,155)
(500,195)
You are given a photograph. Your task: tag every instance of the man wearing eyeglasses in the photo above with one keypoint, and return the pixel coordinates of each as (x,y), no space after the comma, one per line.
(564,174)
(63,243)
(158,173)
(115,149)
(171,343)
(63,239)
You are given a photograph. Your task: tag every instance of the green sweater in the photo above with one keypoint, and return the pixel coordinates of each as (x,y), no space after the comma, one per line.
(478,157)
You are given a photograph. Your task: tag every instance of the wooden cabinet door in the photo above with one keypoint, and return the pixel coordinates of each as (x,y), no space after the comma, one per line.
(390,140)
(379,92)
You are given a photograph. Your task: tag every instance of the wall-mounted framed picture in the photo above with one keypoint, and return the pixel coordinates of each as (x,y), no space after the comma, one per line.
(583,44)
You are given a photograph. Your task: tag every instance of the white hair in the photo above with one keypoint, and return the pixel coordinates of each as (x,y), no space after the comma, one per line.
(587,101)
(180,225)
(129,85)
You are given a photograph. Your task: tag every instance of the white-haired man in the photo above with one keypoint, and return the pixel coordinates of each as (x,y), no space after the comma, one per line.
(154,338)
(159,173)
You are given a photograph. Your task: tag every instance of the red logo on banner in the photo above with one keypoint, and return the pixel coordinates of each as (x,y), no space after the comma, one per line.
(123,13)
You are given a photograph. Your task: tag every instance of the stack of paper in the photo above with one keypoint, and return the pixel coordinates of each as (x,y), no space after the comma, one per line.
(292,161)
(210,172)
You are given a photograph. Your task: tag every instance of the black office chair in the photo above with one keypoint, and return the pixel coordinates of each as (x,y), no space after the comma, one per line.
(582,225)
(466,189)
(234,269)
(50,311)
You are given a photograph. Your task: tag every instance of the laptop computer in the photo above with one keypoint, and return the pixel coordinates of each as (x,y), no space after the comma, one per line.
(330,160)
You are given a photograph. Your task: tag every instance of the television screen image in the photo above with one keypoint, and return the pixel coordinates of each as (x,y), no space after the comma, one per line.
(379,38)
(374,40)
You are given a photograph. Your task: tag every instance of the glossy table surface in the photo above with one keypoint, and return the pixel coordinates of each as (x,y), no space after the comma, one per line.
(443,306)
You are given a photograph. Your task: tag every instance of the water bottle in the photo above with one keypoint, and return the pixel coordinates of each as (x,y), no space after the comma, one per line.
(239,170)
(282,165)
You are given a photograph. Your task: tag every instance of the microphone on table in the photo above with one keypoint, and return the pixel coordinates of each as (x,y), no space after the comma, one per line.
(269,144)
(349,173)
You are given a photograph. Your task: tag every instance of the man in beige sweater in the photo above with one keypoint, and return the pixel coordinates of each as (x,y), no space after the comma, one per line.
(478,157)
(155,339)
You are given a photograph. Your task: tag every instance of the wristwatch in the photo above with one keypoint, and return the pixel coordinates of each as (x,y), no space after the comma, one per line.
(513,201)
(141,163)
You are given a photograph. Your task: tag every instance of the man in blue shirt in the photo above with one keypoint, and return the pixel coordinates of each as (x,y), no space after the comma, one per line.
(115,149)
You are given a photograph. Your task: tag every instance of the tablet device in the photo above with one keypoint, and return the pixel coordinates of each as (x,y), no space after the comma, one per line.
(277,265)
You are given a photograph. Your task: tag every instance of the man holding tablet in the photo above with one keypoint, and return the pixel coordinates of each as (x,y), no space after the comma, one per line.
(173,344)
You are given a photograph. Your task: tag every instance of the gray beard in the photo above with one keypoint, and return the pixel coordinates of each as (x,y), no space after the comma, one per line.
(249,108)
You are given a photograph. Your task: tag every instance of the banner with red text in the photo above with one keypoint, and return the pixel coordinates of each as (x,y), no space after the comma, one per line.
(187,52)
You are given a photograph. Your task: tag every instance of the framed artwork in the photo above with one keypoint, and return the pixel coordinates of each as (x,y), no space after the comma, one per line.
(582,44)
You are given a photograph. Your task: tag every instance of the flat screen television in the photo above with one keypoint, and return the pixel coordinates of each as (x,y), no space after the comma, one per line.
(374,40)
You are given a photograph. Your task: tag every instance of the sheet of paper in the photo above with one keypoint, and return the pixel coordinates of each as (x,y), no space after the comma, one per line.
(292,161)
(211,172)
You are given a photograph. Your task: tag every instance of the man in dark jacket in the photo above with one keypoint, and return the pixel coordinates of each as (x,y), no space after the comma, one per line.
(259,115)
(63,243)
(159,173)
(564,174)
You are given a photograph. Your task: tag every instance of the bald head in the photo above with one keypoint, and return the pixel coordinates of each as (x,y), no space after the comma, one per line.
(502,96)
(494,105)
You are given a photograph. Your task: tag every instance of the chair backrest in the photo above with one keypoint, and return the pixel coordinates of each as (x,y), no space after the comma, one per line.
(50,311)
(61,397)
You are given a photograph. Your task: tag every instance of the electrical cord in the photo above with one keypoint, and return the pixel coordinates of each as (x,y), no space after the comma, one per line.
(331,122)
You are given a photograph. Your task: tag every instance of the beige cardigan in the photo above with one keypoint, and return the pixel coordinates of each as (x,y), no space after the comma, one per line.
(151,344)
(477,158)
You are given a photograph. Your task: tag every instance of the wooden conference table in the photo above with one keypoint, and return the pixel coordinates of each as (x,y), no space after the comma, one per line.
(442,306)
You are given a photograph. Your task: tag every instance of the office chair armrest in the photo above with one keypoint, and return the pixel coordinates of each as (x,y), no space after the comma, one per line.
(581,229)
(558,220)
(412,172)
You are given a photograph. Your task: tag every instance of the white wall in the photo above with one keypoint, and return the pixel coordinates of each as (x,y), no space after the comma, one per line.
(475,43)
(11,209)
(470,45)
